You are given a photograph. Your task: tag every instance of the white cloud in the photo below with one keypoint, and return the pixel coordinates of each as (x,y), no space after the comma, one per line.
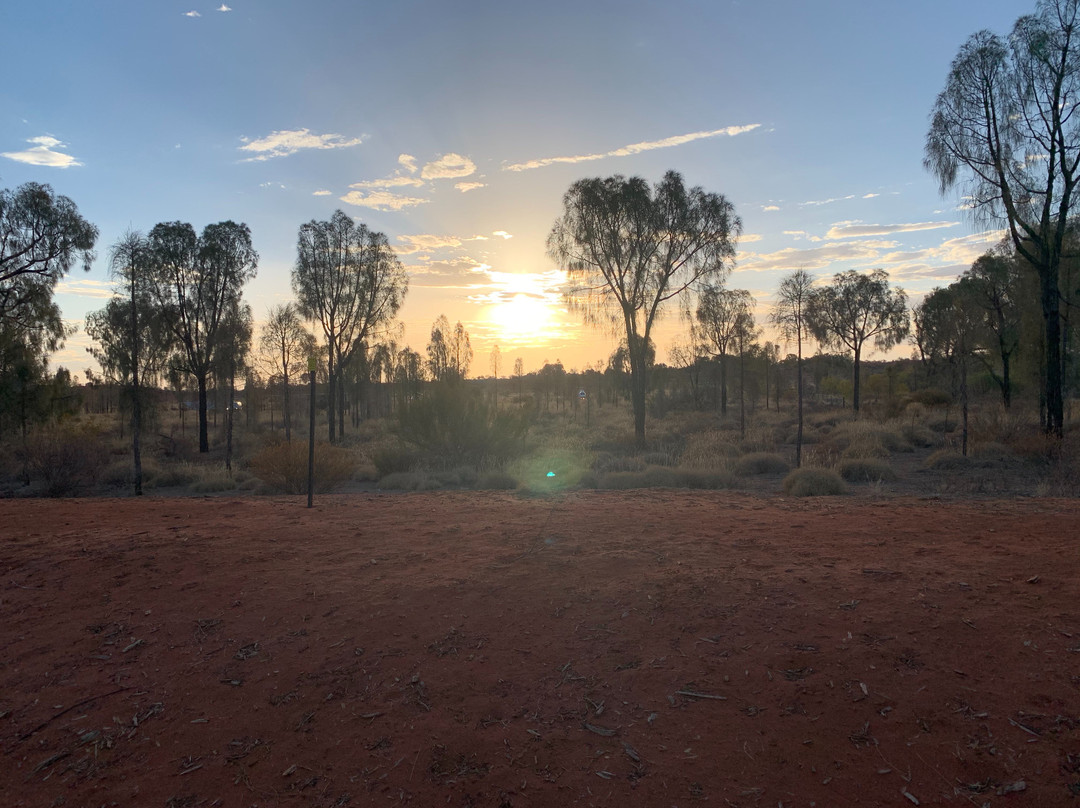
(389,182)
(43,153)
(224,7)
(192,14)
(749,238)
(321,192)
(289,141)
(381,200)
(770,208)
(408,162)
(465,187)
(633,148)
(859,230)
(426,242)
(502,234)
(870,196)
(809,259)
(449,166)
(86,287)
(819,202)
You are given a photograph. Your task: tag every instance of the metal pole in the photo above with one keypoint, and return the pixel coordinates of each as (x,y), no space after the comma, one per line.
(311,434)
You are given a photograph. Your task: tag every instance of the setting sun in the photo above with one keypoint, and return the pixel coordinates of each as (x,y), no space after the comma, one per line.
(521,319)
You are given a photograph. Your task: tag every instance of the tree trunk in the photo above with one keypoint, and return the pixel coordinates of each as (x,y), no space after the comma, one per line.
(229,416)
(204,431)
(136,396)
(330,390)
(1051,304)
(287,416)
(855,382)
(723,383)
(799,386)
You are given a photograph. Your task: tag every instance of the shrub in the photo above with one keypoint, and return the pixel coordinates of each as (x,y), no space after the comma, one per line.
(608,463)
(497,481)
(212,481)
(395,458)
(761,463)
(710,450)
(284,466)
(169,476)
(66,458)
(695,478)
(947,460)
(450,426)
(809,482)
(866,470)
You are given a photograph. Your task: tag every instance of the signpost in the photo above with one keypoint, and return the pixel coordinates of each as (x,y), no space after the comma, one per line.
(312,365)
(584,397)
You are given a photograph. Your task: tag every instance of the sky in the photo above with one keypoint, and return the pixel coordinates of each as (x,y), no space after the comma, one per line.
(455,128)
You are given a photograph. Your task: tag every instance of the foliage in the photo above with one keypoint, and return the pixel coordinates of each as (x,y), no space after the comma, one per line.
(761,463)
(284,466)
(866,469)
(1007,128)
(450,426)
(449,352)
(629,249)
(857,308)
(349,279)
(812,482)
(42,236)
(66,458)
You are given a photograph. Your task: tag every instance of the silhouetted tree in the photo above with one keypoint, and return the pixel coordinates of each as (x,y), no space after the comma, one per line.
(790,316)
(722,318)
(1007,127)
(857,308)
(630,249)
(286,345)
(196,281)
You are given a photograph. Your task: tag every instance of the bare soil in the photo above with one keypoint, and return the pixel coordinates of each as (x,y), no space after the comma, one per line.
(651,648)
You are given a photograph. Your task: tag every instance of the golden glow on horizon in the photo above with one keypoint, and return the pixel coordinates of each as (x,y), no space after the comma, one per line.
(521,319)
(522,308)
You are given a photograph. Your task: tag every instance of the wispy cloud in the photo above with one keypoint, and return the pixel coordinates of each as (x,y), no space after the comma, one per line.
(192,14)
(502,234)
(390,182)
(465,187)
(633,148)
(818,202)
(224,7)
(44,153)
(770,208)
(859,230)
(408,162)
(810,259)
(322,192)
(284,142)
(426,242)
(449,166)
(870,196)
(382,200)
(86,287)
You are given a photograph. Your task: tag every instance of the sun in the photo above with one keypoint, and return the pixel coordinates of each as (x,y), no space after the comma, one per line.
(522,318)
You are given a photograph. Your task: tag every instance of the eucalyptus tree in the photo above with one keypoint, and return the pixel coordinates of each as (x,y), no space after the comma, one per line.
(349,279)
(42,236)
(857,308)
(790,315)
(286,345)
(992,283)
(630,249)
(1006,128)
(197,282)
(722,319)
(449,351)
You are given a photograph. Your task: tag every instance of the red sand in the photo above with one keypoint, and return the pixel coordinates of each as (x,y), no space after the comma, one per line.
(651,648)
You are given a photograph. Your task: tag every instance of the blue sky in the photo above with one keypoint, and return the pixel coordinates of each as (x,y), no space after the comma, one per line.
(456,127)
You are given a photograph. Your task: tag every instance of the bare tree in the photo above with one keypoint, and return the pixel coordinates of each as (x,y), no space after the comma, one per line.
(496,361)
(1007,125)
(286,344)
(630,249)
(789,315)
(857,308)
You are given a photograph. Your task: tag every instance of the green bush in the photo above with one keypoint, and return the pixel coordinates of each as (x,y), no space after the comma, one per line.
(866,469)
(808,482)
(395,458)
(947,460)
(284,466)
(761,463)
(497,481)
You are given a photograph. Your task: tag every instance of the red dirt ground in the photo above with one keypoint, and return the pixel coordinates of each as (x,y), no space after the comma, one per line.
(650,648)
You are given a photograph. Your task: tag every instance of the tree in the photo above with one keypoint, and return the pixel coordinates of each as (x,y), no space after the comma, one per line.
(722,316)
(1008,125)
(946,327)
(42,236)
(630,249)
(286,344)
(854,309)
(233,349)
(197,282)
(348,278)
(519,372)
(789,315)
(992,284)
(496,360)
(449,351)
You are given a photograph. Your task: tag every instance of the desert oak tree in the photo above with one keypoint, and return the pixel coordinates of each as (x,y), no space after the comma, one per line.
(1007,129)
(629,249)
